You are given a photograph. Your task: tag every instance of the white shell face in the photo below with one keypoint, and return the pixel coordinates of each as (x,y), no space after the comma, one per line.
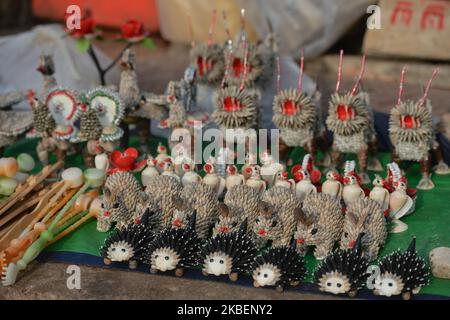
(164,259)
(106,110)
(62,107)
(388,285)
(266,275)
(120,251)
(218,264)
(334,283)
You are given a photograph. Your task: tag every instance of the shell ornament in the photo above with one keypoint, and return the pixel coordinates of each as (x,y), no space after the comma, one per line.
(62,104)
(43,122)
(128,244)
(229,254)
(174,249)
(343,271)
(402,273)
(110,111)
(279,267)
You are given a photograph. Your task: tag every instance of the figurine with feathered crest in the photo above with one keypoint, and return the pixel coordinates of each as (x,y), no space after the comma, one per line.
(350,119)
(412,134)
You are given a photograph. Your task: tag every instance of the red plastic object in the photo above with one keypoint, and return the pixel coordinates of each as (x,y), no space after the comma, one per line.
(105,12)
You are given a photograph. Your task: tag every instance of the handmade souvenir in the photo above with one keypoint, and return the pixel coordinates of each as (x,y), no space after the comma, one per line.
(190,176)
(352,190)
(269,168)
(127,161)
(364,216)
(306,178)
(100,116)
(279,267)
(129,244)
(380,193)
(234,178)
(148,173)
(268,227)
(14,172)
(284,203)
(282,180)
(208,58)
(162,192)
(212,179)
(168,168)
(351,121)
(174,249)
(12,123)
(201,198)
(223,157)
(254,180)
(46,67)
(229,254)
(413,136)
(161,152)
(333,185)
(298,116)
(243,201)
(93,178)
(123,199)
(228,221)
(319,224)
(181,214)
(139,107)
(343,271)
(402,273)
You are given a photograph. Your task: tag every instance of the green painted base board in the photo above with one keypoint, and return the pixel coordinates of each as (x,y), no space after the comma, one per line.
(430,223)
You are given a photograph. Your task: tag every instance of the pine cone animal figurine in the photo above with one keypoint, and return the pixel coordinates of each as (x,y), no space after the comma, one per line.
(229,254)
(228,221)
(279,267)
(343,271)
(402,273)
(174,249)
(320,223)
(364,216)
(243,201)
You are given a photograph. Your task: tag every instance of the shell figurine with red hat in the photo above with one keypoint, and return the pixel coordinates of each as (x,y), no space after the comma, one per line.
(352,186)
(306,178)
(333,185)
(212,178)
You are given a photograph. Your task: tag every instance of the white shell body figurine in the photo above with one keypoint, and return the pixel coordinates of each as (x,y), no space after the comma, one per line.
(333,186)
(352,190)
(281,180)
(212,178)
(190,176)
(234,178)
(269,168)
(161,154)
(255,181)
(302,176)
(150,171)
(400,204)
(379,193)
(168,168)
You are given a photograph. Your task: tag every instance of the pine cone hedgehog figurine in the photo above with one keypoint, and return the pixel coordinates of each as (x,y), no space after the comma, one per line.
(320,224)
(227,223)
(364,215)
(402,273)
(123,199)
(343,271)
(128,244)
(174,249)
(279,267)
(163,192)
(202,198)
(229,254)
(284,203)
(268,226)
(243,202)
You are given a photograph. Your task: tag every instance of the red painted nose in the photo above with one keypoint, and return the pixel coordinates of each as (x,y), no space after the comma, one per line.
(106,214)
(351,244)
(262,232)
(346,180)
(300,241)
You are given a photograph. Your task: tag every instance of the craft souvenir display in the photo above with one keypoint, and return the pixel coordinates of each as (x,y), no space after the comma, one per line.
(128,244)
(270,168)
(298,116)
(319,224)
(333,185)
(123,199)
(352,190)
(364,216)
(150,171)
(174,249)
(229,254)
(343,271)
(413,136)
(208,58)
(351,121)
(279,267)
(252,173)
(243,202)
(402,200)
(202,199)
(283,203)
(212,179)
(282,180)
(189,176)
(12,123)
(380,193)
(306,178)
(402,273)
(268,228)
(234,178)
(227,221)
